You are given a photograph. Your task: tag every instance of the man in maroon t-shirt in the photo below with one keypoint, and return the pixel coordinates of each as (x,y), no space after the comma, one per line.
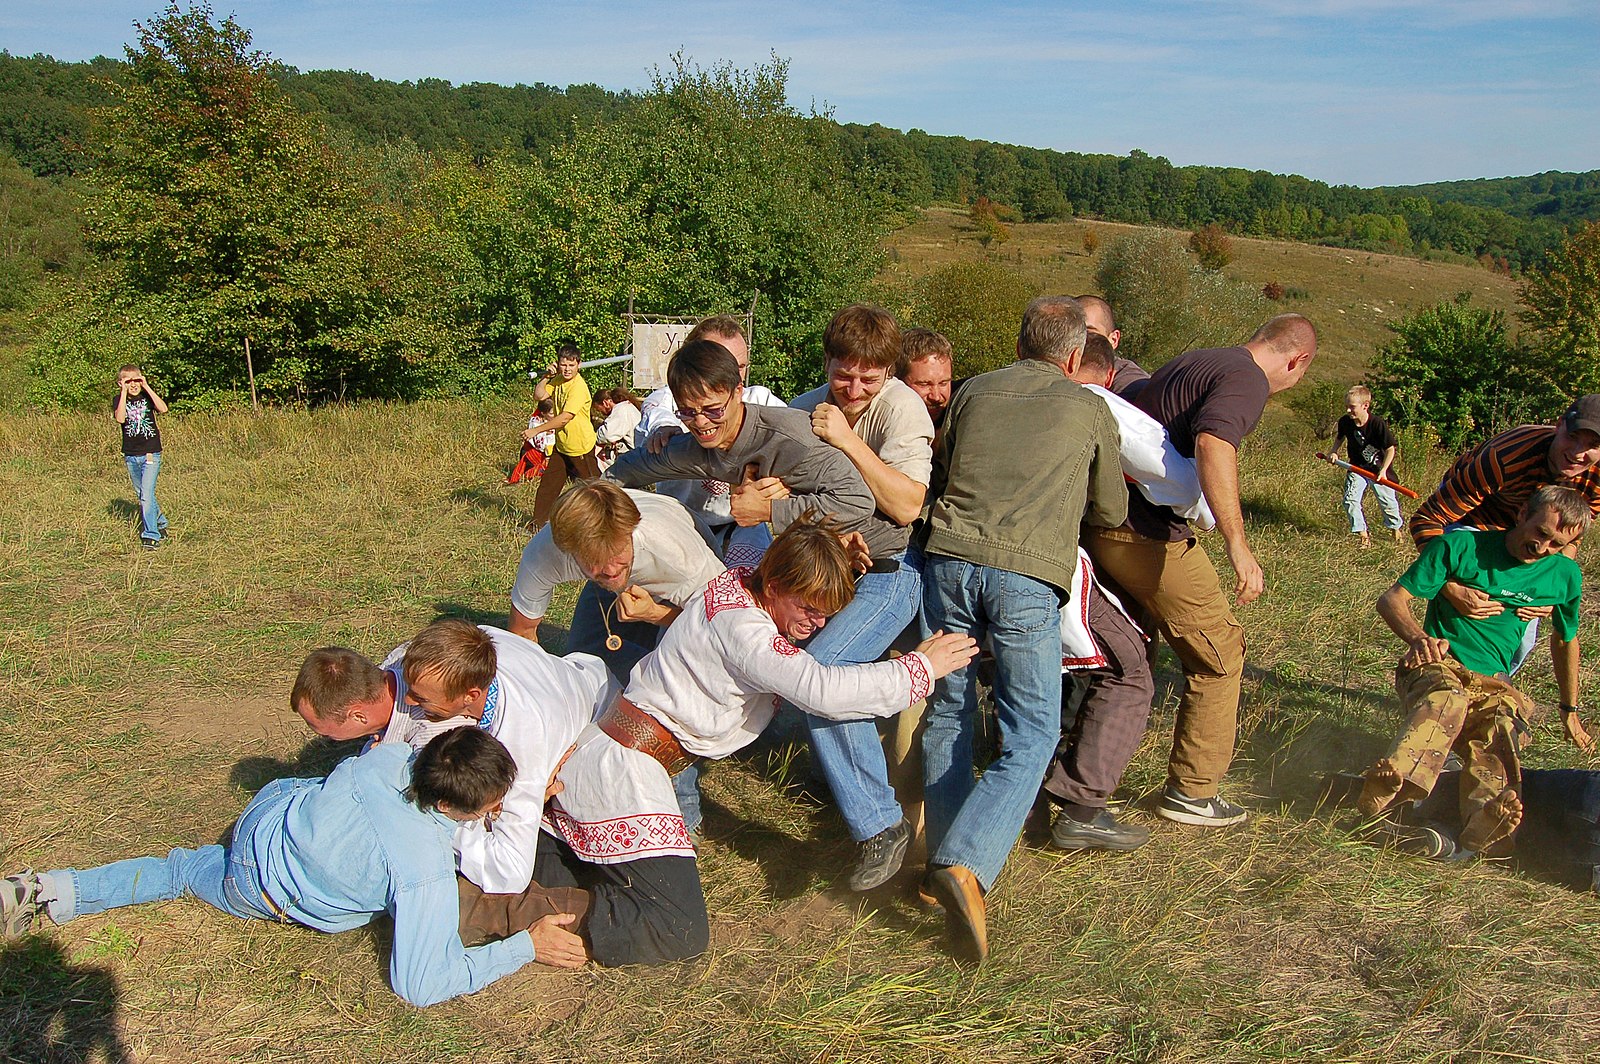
(1208,400)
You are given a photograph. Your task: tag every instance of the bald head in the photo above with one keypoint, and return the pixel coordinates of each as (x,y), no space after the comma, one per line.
(1097,318)
(1283,347)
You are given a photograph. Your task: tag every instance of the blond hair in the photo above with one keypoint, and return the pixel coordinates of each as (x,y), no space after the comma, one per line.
(808,560)
(594,521)
(458,654)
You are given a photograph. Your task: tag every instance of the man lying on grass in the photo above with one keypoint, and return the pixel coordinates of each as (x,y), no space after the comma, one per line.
(1449,680)
(372,837)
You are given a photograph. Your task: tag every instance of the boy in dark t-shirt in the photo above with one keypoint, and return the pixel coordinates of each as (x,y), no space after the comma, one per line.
(1372,447)
(135,408)
(1449,679)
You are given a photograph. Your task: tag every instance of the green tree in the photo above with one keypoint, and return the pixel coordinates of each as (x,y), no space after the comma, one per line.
(709,191)
(1454,367)
(1562,305)
(224,214)
(978,306)
(1165,304)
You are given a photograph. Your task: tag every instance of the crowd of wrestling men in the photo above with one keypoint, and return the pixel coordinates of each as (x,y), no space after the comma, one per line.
(847,569)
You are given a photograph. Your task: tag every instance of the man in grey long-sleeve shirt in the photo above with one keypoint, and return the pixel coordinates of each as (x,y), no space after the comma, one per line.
(750,448)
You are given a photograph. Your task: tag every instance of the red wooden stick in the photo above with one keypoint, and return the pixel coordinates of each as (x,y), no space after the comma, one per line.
(1385,481)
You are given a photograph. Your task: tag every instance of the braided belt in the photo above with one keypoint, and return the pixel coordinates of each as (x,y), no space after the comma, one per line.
(638,730)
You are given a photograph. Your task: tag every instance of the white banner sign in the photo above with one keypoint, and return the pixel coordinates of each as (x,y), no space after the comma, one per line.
(653,345)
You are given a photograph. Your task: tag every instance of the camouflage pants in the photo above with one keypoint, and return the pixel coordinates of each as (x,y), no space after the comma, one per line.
(1450,708)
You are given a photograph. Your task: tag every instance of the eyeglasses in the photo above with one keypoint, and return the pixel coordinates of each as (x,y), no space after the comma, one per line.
(812,614)
(687,414)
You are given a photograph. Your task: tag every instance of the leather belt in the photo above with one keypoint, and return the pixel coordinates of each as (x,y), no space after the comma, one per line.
(638,730)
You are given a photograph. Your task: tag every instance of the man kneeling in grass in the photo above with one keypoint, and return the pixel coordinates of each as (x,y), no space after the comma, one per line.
(374,836)
(1450,680)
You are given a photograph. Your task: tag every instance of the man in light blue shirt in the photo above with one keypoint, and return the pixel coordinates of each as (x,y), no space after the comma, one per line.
(374,836)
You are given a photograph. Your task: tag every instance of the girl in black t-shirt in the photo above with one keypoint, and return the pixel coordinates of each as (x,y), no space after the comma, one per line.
(135,409)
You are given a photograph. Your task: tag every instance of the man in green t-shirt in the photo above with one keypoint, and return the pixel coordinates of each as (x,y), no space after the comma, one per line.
(1449,680)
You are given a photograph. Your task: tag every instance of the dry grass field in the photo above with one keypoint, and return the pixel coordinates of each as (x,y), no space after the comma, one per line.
(143,699)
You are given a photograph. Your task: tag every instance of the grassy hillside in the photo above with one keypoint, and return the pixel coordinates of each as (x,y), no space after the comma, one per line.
(143,699)
(1353,295)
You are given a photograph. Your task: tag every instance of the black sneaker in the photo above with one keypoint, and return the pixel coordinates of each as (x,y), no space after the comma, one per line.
(1215,812)
(150,544)
(880,857)
(1104,832)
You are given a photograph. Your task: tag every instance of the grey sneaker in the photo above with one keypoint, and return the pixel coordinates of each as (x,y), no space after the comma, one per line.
(19,904)
(1215,812)
(880,857)
(1104,832)
(1419,840)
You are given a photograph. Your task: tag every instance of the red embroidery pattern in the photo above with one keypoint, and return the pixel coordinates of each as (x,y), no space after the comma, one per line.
(784,647)
(714,487)
(643,835)
(921,681)
(726,592)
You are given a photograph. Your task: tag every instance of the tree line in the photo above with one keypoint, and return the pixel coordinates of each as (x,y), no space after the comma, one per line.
(1509,222)
(366,239)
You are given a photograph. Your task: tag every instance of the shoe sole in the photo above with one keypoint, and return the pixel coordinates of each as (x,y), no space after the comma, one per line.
(888,871)
(1418,841)
(1099,842)
(1199,820)
(966,931)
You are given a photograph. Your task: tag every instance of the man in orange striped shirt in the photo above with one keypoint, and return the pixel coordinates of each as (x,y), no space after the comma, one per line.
(1488,485)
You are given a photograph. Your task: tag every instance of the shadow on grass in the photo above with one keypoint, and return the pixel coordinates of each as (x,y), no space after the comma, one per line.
(316,758)
(1265,510)
(1311,729)
(489,501)
(52,1009)
(789,865)
(552,636)
(124,510)
(461,611)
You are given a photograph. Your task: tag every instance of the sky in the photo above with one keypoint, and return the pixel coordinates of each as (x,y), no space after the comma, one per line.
(1364,92)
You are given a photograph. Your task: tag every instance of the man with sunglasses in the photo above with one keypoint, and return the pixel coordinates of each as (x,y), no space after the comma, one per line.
(775,466)
(708,499)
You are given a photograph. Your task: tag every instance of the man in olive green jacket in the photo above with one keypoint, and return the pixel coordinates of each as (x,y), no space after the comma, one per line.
(1026,456)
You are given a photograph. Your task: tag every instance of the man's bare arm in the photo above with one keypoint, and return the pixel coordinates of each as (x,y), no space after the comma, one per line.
(1564,657)
(1217,463)
(523,625)
(1394,606)
(897,495)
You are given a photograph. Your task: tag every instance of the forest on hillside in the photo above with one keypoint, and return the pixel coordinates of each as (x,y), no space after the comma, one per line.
(226,220)
(1510,222)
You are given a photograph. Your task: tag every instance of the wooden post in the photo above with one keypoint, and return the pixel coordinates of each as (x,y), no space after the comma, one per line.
(250,368)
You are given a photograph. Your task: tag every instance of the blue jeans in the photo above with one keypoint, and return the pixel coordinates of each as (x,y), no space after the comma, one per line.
(1355,488)
(224,878)
(142,470)
(849,751)
(588,632)
(975,824)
